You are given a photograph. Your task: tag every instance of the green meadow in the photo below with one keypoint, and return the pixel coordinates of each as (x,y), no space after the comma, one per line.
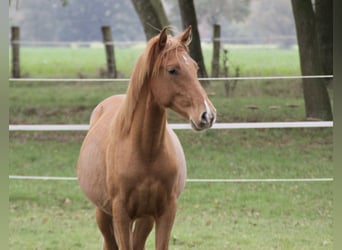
(272,215)
(90,62)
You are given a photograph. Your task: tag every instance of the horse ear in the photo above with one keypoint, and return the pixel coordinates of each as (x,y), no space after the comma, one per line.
(186,36)
(162,38)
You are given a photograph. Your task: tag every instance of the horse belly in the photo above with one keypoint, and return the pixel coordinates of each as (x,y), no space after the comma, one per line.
(91,166)
(92,174)
(181,162)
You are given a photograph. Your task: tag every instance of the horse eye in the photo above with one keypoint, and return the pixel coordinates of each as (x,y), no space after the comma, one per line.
(172,71)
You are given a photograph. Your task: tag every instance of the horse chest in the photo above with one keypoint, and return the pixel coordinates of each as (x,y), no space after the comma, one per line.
(149,197)
(132,162)
(145,186)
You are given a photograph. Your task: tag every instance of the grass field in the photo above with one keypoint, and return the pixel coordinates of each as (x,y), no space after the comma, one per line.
(210,216)
(56,215)
(90,62)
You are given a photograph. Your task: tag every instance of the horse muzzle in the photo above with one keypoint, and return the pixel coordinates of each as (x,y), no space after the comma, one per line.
(205,120)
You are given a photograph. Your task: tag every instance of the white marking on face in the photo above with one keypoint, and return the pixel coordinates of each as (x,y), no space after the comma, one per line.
(207,109)
(186,61)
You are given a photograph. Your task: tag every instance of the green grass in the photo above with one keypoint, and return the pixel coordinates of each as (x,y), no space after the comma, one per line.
(257,60)
(64,103)
(247,216)
(210,216)
(56,214)
(90,62)
(73,62)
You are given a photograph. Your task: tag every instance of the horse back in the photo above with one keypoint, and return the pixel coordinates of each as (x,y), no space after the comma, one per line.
(108,106)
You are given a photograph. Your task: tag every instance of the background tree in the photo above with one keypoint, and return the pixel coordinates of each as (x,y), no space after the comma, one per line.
(188,14)
(270,19)
(81,20)
(317,102)
(78,20)
(223,12)
(324,21)
(152,16)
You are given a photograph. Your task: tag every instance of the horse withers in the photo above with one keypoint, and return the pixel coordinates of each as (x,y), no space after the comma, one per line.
(131,164)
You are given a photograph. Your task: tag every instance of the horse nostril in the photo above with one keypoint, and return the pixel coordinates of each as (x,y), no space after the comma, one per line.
(204,118)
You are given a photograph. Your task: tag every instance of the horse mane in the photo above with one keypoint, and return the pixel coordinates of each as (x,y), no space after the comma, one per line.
(147,66)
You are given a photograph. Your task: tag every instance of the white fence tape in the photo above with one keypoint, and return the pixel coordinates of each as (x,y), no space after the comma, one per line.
(54,178)
(248,125)
(127,79)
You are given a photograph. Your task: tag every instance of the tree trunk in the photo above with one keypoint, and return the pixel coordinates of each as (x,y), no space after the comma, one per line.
(324,25)
(152,16)
(188,14)
(159,8)
(316,97)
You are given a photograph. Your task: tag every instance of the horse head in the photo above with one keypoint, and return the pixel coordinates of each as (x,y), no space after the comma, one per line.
(173,79)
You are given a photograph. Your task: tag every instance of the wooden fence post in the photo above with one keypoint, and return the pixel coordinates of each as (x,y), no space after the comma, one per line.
(215,63)
(15,32)
(109,47)
(229,85)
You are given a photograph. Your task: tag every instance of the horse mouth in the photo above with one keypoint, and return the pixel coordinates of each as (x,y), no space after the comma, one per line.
(199,127)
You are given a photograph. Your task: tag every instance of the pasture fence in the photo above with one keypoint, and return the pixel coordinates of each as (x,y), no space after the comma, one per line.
(15,52)
(58,178)
(179,126)
(258,125)
(106,80)
(108,44)
(215,63)
(109,48)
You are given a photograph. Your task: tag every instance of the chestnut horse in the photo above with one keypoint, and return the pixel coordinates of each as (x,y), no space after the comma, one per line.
(131,164)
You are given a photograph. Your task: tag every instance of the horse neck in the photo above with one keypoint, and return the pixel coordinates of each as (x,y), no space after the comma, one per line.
(145,121)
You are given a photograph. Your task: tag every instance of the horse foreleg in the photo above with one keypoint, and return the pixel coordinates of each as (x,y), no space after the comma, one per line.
(122,226)
(142,229)
(105,224)
(164,225)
